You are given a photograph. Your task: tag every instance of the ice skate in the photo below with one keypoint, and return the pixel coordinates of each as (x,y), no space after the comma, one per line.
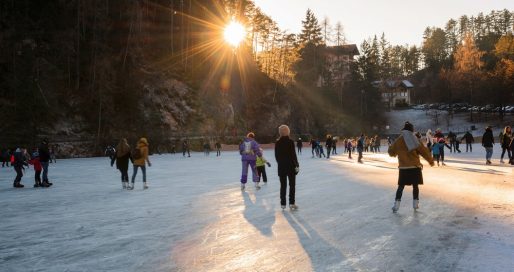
(396,206)
(123,185)
(18,185)
(293,207)
(283,207)
(257,187)
(443,164)
(145,186)
(130,187)
(242,186)
(501,161)
(415,204)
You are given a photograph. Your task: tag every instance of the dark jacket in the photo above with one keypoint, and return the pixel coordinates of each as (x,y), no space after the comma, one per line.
(505,140)
(19,160)
(329,142)
(488,138)
(285,155)
(468,137)
(44,154)
(122,162)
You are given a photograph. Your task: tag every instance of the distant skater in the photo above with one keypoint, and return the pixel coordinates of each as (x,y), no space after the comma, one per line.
(19,166)
(488,144)
(288,167)
(37,169)
(218,149)
(299,146)
(122,157)
(185,149)
(468,138)
(408,148)
(360,147)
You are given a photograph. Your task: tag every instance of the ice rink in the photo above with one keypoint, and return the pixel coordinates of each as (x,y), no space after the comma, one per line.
(194,217)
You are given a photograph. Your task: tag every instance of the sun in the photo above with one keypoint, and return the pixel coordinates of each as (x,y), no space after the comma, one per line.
(234,33)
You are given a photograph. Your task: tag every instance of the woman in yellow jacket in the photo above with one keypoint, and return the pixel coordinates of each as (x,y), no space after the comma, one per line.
(140,158)
(408,148)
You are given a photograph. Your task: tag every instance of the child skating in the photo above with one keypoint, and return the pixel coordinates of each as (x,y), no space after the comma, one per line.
(37,170)
(261,163)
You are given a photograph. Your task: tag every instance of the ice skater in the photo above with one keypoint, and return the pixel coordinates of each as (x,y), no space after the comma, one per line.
(468,138)
(140,157)
(122,157)
(288,167)
(435,151)
(37,169)
(261,163)
(488,144)
(349,147)
(299,146)
(18,164)
(407,148)
(505,139)
(44,158)
(185,149)
(249,151)
(360,147)
(218,149)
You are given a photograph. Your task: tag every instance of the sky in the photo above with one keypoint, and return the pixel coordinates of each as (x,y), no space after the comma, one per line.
(403,21)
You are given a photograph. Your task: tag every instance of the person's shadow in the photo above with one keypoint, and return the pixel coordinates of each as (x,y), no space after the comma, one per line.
(258,214)
(324,256)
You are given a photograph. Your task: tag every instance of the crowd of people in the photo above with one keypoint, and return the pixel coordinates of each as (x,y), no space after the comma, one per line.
(21,159)
(408,148)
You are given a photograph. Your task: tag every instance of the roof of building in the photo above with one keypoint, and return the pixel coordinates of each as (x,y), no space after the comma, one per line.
(393,83)
(345,49)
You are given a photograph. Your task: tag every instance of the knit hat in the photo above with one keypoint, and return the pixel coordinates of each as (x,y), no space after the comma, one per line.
(408,126)
(250,135)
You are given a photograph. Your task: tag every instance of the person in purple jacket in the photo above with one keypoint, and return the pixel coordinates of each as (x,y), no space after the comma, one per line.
(249,150)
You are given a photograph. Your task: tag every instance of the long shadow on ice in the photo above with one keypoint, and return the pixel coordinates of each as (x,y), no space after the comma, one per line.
(324,256)
(258,214)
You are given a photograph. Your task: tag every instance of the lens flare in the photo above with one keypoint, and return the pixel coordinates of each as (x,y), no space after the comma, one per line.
(234,33)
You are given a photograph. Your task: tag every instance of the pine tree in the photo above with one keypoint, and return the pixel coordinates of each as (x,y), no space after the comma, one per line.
(311,30)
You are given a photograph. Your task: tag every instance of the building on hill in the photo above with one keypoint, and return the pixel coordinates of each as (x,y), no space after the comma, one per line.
(336,72)
(395,93)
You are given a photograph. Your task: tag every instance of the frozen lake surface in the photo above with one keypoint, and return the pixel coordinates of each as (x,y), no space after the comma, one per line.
(194,217)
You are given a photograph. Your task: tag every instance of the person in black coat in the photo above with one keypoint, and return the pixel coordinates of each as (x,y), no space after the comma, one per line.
(122,157)
(18,164)
(44,158)
(329,142)
(488,143)
(469,141)
(288,166)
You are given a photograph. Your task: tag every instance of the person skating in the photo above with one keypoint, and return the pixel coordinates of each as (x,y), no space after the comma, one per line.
(334,145)
(314,147)
(299,146)
(218,149)
(408,148)
(185,149)
(18,164)
(261,163)
(207,148)
(349,147)
(452,137)
(329,143)
(360,147)
(122,157)
(6,157)
(288,167)
(468,137)
(140,158)
(436,151)
(505,139)
(44,158)
(37,169)
(488,143)
(321,150)
(249,150)
(110,152)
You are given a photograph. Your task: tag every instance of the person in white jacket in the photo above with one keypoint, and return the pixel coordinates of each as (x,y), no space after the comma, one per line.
(429,138)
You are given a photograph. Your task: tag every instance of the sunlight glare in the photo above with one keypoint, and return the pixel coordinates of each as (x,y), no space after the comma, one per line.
(234,33)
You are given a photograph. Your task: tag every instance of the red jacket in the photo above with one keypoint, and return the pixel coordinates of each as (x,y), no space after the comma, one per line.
(36,163)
